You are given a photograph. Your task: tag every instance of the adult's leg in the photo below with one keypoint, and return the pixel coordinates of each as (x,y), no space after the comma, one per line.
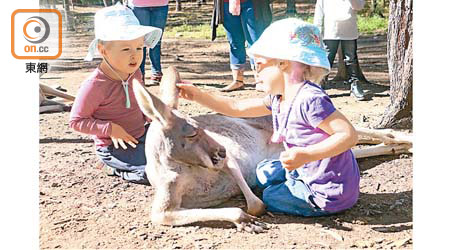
(143,15)
(158,18)
(332,47)
(252,30)
(236,39)
(349,48)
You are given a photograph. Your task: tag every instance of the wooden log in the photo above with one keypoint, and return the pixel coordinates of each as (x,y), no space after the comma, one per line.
(382,149)
(369,141)
(51,91)
(51,108)
(388,142)
(387,136)
(42,97)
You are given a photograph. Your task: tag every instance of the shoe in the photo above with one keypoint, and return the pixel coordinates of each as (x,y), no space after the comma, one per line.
(235,85)
(155,79)
(357,92)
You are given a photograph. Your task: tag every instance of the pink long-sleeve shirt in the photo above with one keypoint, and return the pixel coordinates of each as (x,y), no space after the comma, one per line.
(102,100)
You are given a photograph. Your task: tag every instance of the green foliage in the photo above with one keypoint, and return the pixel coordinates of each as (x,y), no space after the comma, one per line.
(374,24)
(366,24)
(196,31)
(178,26)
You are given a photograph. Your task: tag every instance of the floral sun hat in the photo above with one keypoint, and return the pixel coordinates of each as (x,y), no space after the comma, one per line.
(118,22)
(295,40)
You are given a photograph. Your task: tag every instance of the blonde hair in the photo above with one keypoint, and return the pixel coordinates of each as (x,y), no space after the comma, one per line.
(315,74)
(311,73)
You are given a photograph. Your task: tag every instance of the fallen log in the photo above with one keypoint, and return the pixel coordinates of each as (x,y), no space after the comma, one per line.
(51,91)
(387,136)
(382,149)
(46,105)
(387,142)
(51,108)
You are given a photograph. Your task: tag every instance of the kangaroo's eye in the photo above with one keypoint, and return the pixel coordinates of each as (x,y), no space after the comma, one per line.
(192,136)
(189,131)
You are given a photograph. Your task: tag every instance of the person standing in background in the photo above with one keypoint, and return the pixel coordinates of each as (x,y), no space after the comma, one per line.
(151,13)
(244,21)
(337,21)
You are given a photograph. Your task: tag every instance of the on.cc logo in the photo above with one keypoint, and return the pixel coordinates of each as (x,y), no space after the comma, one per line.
(36,29)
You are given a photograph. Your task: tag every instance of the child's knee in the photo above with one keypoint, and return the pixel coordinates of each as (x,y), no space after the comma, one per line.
(269,172)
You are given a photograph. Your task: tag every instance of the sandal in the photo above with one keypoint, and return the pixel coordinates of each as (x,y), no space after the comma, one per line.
(154,80)
(235,85)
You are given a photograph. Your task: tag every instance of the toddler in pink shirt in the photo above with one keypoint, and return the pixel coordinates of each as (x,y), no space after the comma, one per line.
(105,106)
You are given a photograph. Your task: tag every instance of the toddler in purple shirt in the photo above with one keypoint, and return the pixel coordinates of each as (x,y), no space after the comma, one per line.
(317,174)
(105,106)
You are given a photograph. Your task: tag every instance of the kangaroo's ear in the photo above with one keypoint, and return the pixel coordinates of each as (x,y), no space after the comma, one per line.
(168,87)
(151,105)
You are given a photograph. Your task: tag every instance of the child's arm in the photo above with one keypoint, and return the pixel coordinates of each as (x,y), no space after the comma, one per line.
(86,102)
(253,107)
(342,137)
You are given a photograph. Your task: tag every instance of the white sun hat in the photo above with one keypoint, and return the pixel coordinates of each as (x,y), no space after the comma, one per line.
(118,23)
(295,40)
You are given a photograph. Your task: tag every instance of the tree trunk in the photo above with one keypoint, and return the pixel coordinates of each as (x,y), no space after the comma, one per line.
(178,5)
(342,71)
(290,7)
(400,62)
(70,25)
(373,7)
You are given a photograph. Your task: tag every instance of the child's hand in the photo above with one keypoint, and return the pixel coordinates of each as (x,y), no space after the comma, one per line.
(119,136)
(235,7)
(294,158)
(188,91)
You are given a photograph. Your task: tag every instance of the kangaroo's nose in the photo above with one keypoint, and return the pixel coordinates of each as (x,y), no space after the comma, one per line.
(222,153)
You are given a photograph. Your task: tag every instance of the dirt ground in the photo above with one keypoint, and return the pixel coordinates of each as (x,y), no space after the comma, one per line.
(81,207)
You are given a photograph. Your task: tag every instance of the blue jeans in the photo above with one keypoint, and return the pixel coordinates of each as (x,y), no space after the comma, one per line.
(240,29)
(127,163)
(156,17)
(284,191)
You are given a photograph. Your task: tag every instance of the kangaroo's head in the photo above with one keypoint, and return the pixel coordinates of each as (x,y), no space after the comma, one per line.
(174,138)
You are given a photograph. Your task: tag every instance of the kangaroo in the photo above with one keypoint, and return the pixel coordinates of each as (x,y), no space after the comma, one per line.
(195,163)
